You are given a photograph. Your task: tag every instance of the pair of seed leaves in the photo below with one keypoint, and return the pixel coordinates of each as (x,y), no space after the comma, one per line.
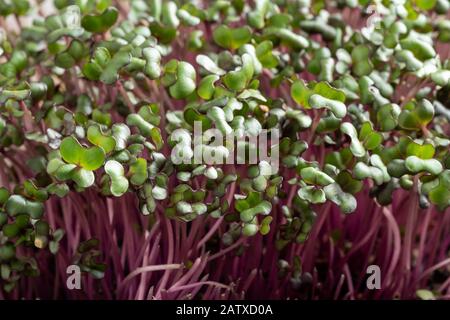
(317,186)
(92,23)
(235,80)
(251,228)
(231,38)
(99,23)
(416,115)
(185,203)
(17,204)
(70,23)
(82,161)
(180,77)
(147,120)
(318,95)
(105,67)
(253,59)
(118,180)
(367,139)
(252,205)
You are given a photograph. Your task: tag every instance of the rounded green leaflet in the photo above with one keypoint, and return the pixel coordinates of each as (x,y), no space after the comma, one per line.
(65,171)
(406,182)
(326,69)
(3,219)
(121,133)
(119,184)
(301,93)
(159,193)
(4,195)
(110,73)
(355,145)
(289,37)
(92,70)
(238,79)
(96,136)
(415,116)
(376,161)
(191,115)
(440,194)
(199,208)
(336,107)
(7,251)
(60,189)
(369,138)
(169,14)
(264,207)
(362,171)
(17,204)
(187,18)
(441,77)
(264,52)
(250,229)
(184,207)
(19,60)
(423,151)
(17,95)
(314,176)
(10,230)
(416,165)
(229,38)
(256,17)
(206,87)
(250,50)
(152,58)
(185,82)
(87,158)
(137,120)
(321,95)
(265,225)
(217,115)
(361,60)
(387,116)
(425,4)
(196,40)
(155,8)
(312,194)
(381,83)
(209,65)
(397,168)
(211,173)
(102,56)
(348,183)
(408,58)
(65,24)
(82,177)
(138,171)
(100,23)
(422,50)
(441,6)
(260,183)
(344,200)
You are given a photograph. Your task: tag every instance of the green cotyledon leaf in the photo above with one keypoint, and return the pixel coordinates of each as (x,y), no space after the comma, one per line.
(229,38)
(102,22)
(119,183)
(88,158)
(319,95)
(96,137)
